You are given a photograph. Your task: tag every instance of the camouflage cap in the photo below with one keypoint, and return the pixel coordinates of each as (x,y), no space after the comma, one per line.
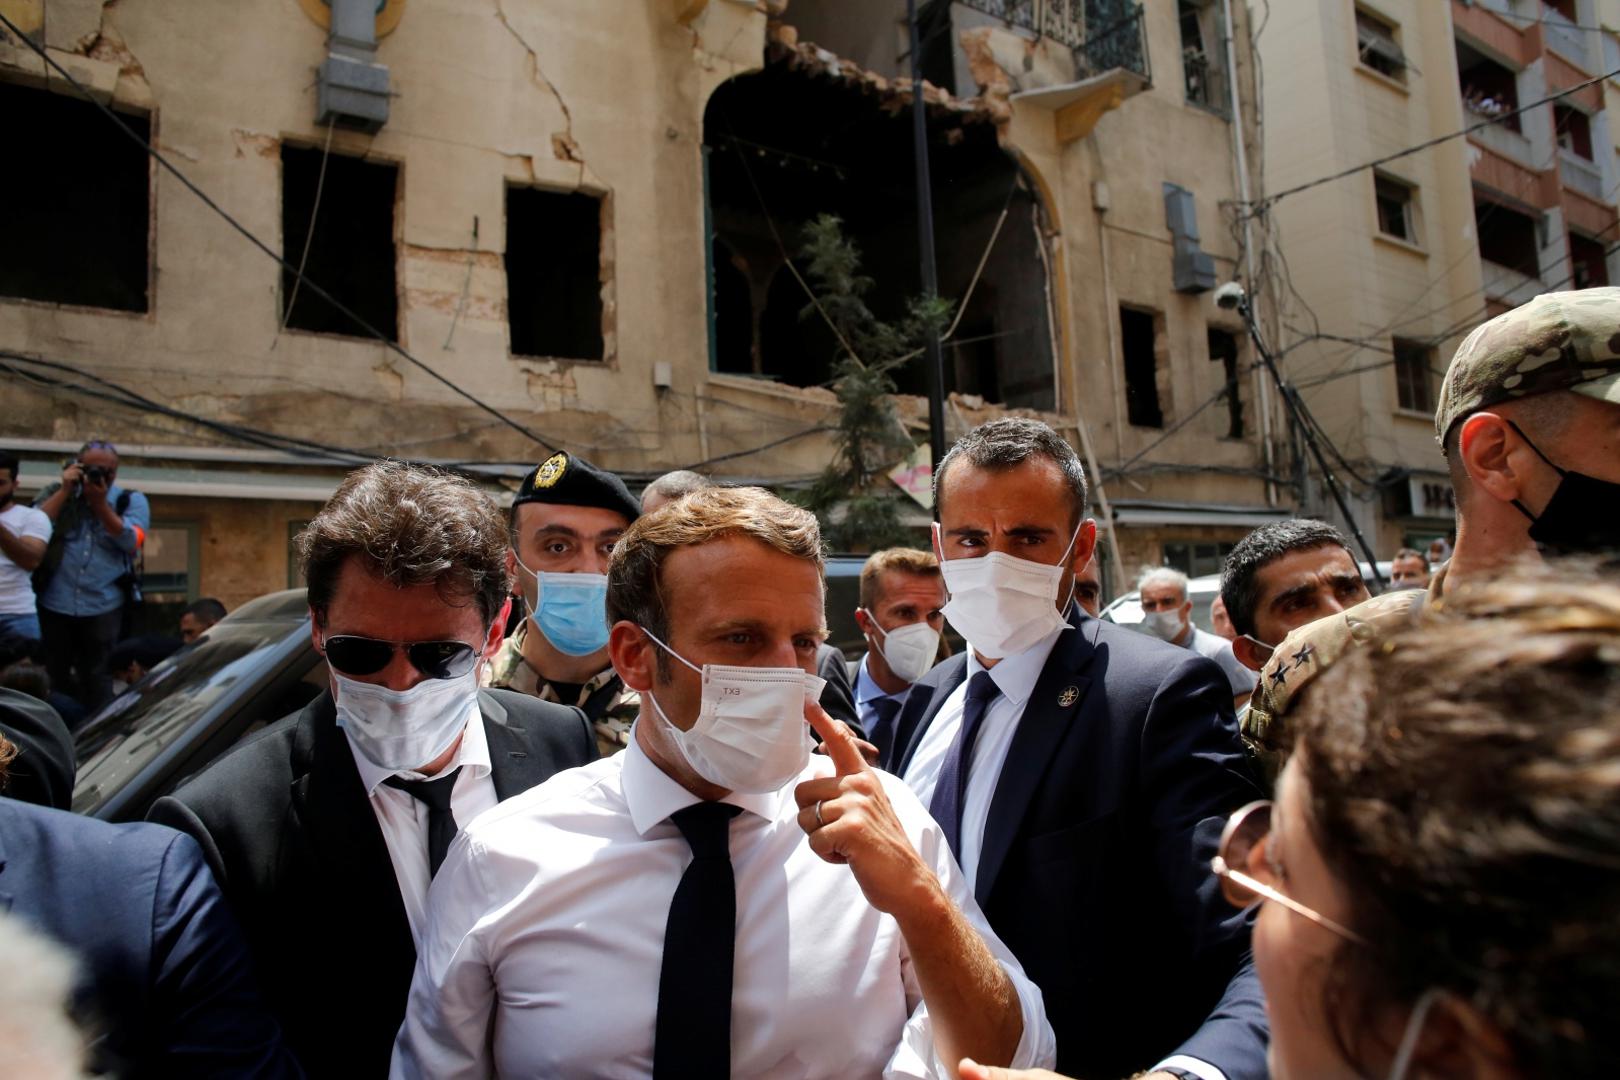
(1558,341)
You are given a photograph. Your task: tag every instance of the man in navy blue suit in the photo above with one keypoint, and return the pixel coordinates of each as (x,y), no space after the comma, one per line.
(1082,773)
(166,985)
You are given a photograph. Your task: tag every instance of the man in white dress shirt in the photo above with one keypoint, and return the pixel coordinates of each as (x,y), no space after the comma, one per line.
(901,597)
(663,912)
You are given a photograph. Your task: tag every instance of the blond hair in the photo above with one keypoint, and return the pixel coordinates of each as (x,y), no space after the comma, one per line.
(905,560)
(709,514)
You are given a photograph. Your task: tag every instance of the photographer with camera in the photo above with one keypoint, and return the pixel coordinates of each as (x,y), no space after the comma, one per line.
(88,574)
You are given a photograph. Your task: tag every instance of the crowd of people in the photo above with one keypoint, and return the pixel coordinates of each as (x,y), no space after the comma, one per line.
(660,827)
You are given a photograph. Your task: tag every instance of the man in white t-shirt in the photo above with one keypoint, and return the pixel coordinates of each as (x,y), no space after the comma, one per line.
(24,534)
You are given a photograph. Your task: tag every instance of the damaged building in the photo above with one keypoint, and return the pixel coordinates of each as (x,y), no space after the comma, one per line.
(523,225)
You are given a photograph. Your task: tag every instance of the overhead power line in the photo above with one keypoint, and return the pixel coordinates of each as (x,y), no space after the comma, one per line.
(303,281)
(1272,200)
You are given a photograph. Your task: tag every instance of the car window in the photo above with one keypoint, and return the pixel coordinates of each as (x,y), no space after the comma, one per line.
(141,723)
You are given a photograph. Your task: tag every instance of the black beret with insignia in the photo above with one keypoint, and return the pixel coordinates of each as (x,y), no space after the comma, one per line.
(566,480)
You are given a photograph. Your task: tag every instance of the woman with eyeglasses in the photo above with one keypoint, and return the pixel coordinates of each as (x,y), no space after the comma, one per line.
(1439,879)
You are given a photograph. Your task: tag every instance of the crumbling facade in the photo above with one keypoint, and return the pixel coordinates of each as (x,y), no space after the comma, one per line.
(570,225)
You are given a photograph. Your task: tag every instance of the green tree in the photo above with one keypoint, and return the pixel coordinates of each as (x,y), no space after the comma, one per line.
(852,498)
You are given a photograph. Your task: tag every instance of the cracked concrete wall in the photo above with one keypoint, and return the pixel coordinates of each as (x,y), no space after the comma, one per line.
(604,98)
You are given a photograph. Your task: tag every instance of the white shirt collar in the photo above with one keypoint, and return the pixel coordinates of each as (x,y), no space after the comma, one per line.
(866,687)
(652,795)
(473,754)
(1015,676)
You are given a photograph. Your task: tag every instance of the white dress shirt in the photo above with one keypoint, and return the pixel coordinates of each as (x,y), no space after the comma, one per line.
(403,817)
(1015,677)
(546,940)
(867,691)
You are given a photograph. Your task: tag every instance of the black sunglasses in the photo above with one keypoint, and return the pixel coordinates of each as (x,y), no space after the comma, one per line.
(367,656)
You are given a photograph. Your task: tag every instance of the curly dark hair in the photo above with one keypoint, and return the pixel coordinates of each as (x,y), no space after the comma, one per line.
(1464,783)
(411,525)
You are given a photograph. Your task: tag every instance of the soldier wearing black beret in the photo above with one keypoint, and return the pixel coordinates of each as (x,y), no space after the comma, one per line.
(564,522)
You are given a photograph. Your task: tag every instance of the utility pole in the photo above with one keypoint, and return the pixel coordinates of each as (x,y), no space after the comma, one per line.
(925,240)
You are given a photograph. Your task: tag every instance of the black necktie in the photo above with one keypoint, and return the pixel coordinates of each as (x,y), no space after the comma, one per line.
(884,711)
(693,1033)
(951,790)
(441,822)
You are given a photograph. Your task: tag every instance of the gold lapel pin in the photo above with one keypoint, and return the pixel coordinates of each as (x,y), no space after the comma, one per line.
(1069,696)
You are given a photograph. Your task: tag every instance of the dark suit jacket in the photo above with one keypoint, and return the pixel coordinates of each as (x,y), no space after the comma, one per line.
(42,771)
(166,985)
(1095,861)
(290,833)
(838,696)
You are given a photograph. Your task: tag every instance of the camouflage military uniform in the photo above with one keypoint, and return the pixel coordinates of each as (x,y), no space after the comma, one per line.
(611,706)
(1311,649)
(1558,341)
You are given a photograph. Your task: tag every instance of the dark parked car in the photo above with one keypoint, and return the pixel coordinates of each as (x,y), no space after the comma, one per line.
(250,669)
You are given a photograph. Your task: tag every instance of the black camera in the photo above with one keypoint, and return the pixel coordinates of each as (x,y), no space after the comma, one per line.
(99,475)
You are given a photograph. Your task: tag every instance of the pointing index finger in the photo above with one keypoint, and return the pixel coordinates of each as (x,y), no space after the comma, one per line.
(839,740)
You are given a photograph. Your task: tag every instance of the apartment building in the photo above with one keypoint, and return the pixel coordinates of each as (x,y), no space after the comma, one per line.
(1389,267)
(561,223)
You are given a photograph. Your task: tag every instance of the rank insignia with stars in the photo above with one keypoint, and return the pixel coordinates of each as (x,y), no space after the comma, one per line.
(1279,677)
(1068,696)
(1304,655)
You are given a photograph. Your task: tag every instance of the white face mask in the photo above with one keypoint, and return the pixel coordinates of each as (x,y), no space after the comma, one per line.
(908,650)
(1003,604)
(750,734)
(403,730)
(1164,625)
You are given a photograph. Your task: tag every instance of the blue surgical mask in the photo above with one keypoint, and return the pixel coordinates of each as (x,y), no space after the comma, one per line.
(571,610)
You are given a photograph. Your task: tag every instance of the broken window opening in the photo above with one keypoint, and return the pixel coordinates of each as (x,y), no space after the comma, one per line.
(1507,237)
(351,248)
(79,231)
(1378,47)
(1394,201)
(787,144)
(1588,261)
(1489,89)
(1573,129)
(554,273)
(1414,377)
(1139,344)
(1223,349)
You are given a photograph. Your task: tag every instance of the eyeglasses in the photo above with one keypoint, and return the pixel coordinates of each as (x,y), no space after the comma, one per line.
(1246,830)
(367,656)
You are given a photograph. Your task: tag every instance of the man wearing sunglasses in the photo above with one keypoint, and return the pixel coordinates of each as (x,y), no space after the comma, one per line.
(564,522)
(325,829)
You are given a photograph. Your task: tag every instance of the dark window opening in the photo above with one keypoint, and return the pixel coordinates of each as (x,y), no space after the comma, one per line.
(554,273)
(1394,209)
(1414,378)
(1489,89)
(1573,130)
(1377,47)
(785,145)
(78,201)
(1223,349)
(1197,559)
(1139,342)
(1200,58)
(1507,237)
(1566,8)
(1588,261)
(351,247)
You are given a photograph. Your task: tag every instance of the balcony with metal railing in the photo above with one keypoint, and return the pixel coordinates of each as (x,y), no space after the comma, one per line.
(1104,35)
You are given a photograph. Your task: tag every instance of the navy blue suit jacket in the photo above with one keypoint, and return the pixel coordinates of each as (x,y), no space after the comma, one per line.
(1094,867)
(166,985)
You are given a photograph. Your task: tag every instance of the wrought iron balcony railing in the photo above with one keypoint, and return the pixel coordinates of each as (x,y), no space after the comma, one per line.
(1102,34)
